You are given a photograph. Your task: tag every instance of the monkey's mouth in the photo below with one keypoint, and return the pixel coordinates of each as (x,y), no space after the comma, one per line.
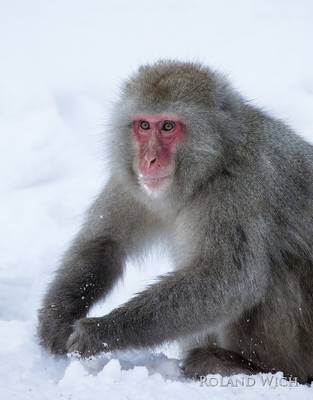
(153,182)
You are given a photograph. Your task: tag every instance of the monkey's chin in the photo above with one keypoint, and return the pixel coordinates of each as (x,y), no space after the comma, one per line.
(155,187)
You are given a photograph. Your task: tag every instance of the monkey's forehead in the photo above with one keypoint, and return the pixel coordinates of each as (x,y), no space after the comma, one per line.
(156,117)
(129,109)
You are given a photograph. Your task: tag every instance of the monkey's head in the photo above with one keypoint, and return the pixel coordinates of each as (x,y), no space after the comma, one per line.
(166,127)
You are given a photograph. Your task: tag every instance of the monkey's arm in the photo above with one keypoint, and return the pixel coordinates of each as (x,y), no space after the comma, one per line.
(228,278)
(91,266)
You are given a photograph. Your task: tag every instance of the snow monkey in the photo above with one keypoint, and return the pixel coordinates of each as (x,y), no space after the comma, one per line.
(229,189)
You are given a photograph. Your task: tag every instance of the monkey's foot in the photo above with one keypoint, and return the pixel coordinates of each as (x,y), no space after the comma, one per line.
(214,360)
(85,339)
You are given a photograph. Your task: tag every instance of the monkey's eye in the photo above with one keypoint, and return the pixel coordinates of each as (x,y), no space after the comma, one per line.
(168,126)
(144,125)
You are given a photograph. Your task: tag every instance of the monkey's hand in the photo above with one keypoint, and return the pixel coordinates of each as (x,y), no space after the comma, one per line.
(86,339)
(54,329)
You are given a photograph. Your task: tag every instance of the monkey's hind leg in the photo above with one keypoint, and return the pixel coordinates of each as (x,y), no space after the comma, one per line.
(206,360)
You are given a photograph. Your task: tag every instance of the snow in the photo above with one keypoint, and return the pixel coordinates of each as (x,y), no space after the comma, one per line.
(61,65)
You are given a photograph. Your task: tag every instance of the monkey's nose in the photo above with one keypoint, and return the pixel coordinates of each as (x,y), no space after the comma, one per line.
(152,161)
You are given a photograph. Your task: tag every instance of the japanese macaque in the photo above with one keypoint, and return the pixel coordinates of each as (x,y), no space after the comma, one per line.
(230,191)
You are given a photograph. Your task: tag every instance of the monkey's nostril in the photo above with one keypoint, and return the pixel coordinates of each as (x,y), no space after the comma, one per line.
(152,161)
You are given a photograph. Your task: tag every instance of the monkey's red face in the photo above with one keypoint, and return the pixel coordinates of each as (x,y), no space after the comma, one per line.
(156,137)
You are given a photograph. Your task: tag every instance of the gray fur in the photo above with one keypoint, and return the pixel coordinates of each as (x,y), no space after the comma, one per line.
(238,218)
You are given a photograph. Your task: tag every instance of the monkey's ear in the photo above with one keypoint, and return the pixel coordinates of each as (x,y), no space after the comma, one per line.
(227,97)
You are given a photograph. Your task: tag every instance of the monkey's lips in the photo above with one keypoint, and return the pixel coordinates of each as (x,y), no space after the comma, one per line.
(154,182)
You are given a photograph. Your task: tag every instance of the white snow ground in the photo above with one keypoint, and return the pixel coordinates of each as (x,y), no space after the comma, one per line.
(61,63)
